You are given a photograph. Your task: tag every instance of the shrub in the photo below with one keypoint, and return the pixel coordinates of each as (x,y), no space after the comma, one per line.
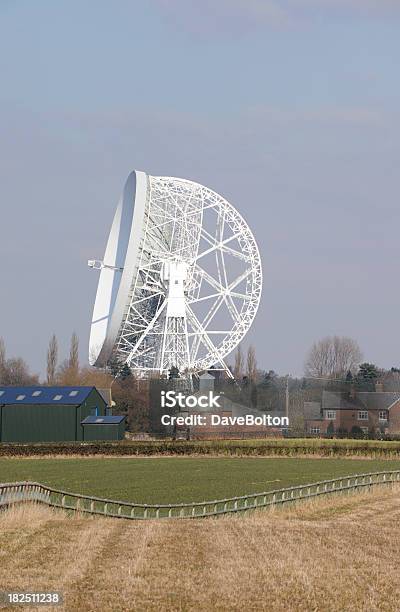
(259,447)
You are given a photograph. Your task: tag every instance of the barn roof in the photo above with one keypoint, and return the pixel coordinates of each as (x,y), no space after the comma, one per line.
(44,395)
(102,420)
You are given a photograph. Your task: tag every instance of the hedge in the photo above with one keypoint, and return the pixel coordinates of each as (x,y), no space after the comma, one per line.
(265,447)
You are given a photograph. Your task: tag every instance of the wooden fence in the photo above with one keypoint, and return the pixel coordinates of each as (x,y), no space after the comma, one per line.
(20,492)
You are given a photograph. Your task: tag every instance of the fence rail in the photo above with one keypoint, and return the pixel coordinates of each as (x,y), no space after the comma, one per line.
(20,492)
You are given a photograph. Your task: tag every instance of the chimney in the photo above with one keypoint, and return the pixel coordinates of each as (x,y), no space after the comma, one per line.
(378,387)
(353,392)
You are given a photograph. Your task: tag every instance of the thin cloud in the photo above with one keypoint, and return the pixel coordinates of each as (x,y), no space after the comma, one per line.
(356,115)
(359,6)
(240,16)
(223,16)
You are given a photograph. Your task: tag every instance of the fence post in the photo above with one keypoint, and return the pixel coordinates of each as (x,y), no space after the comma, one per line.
(19,492)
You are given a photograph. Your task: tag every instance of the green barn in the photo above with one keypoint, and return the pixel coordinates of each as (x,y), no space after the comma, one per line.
(47,414)
(104,428)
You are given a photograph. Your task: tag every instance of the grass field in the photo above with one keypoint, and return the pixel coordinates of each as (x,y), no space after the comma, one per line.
(180,479)
(331,555)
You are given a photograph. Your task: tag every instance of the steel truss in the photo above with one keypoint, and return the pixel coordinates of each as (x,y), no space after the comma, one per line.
(187,222)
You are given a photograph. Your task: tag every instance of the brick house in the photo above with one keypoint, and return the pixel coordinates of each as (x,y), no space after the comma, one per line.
(231,410)
(340,412)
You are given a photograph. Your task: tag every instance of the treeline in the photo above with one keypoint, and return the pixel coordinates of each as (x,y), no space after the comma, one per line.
(128,393)
(14,370)
(333,363)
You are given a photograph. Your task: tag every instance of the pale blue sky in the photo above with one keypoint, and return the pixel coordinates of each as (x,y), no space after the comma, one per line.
(288,108)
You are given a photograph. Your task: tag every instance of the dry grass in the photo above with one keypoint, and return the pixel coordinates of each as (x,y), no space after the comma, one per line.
(335,554)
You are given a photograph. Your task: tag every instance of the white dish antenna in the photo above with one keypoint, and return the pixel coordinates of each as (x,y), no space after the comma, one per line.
(180,282)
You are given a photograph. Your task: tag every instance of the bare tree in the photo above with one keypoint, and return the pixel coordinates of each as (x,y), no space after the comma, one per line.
(52,357)
(2,352)
(238,367)
(333,357)
(251,370)
(73,362)
(69,372)
(16,372)
(2,359)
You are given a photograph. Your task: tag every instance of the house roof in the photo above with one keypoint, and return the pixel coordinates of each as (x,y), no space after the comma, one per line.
(312,411)
(44,395)
(228,405)
(102,420)
(378,400)
(337,400)
(370,400)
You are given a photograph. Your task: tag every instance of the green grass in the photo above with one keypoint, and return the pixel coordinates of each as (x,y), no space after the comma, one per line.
(181,479)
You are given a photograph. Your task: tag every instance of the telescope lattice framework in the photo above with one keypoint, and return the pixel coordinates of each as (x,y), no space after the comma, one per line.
(180,282)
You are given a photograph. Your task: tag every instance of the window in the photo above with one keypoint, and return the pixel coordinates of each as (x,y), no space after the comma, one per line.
(57,397)
(73,393)
(21,397)
(315,430)
(383,415)
(94,411)
(364,430)
(1,393)
(36,393)
(330,415)
(363,415)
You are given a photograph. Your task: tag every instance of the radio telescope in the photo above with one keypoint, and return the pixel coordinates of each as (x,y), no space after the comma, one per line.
(180,282)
